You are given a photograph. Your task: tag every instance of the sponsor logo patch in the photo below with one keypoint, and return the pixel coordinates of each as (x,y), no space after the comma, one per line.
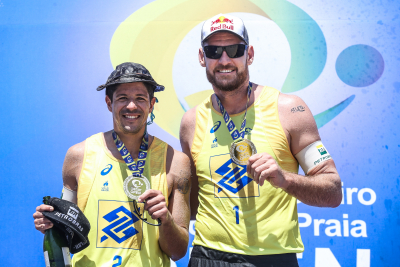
(73,212)
(105,187)
(231,180)
(221,23)
(321,150)
(214,143)
(118,225)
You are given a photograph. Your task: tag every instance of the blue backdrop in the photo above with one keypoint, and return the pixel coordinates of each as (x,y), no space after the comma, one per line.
(342,58)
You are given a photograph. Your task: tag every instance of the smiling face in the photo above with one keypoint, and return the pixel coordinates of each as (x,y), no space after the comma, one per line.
(130,107)
(225,73)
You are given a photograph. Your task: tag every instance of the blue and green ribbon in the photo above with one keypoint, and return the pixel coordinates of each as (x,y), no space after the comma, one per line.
(136,168)
(228,121)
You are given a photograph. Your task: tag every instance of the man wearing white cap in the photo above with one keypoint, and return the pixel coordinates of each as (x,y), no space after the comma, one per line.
(246,142)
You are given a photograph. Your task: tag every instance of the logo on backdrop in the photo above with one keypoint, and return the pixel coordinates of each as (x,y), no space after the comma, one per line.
(308,57)
(118,225)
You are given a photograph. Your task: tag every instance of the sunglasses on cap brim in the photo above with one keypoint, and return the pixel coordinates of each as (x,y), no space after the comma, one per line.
(233,51)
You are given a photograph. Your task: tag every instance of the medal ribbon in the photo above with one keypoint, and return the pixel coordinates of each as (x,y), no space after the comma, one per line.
(137,169)
(228,121)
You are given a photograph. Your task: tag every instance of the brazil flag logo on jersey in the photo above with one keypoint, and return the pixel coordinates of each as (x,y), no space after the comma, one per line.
(231,180)
(118,225)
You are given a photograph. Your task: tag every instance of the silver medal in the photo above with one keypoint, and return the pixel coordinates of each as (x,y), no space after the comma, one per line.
(135,186)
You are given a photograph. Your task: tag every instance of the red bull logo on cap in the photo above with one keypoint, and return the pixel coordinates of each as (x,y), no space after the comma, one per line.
(222,21)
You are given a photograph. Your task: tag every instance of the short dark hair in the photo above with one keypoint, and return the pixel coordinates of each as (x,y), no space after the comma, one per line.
(112,88)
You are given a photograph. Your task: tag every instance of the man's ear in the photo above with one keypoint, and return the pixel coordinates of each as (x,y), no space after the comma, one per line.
(250,55)
(109,103)
(152,102)
(202,60)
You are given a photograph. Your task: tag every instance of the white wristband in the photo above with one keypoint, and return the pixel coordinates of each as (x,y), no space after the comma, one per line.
(312,155)
(69,195)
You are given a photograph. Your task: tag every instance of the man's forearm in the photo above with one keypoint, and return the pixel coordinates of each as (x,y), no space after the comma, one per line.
(321,190)
(173,239)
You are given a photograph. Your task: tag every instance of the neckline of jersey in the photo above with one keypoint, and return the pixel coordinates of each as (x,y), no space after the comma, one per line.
(240,113)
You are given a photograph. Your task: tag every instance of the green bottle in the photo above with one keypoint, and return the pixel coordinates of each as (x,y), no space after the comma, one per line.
(55,247)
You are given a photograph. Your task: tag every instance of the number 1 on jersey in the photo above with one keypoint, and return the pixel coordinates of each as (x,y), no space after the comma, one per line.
(236,209)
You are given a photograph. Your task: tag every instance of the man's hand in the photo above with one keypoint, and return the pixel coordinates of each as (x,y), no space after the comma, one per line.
(155,205)
(41,222)
(262,166)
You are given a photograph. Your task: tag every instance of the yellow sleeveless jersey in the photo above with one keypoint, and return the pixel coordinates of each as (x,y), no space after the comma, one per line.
(235,214)
(117,236)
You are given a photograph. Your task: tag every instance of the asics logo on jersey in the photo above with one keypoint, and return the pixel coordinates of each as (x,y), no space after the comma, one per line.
(121,225)
(106,170)
(215,127)
(234,179)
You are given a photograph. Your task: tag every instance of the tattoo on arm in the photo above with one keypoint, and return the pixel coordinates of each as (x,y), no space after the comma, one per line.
(183,185)
(298,109)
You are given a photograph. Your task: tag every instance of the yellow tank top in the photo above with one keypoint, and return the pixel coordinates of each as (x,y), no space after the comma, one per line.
(235,214)
(117,236)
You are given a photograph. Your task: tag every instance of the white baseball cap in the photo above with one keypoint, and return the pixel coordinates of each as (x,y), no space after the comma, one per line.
(222,22)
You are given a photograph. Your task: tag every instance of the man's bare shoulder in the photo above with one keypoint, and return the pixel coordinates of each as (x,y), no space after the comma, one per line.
(189,120)
(293,108)
(76,152)
(188,126)
(179,161)
(288,101)
(178,169)
(296,118)
(73,164)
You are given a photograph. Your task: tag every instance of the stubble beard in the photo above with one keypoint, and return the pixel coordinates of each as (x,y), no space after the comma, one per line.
(225,84)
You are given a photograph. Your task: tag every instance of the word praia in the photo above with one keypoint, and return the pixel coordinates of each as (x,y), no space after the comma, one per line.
(356,228)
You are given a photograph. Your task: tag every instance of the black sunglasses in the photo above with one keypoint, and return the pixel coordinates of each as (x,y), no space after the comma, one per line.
(233,51)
